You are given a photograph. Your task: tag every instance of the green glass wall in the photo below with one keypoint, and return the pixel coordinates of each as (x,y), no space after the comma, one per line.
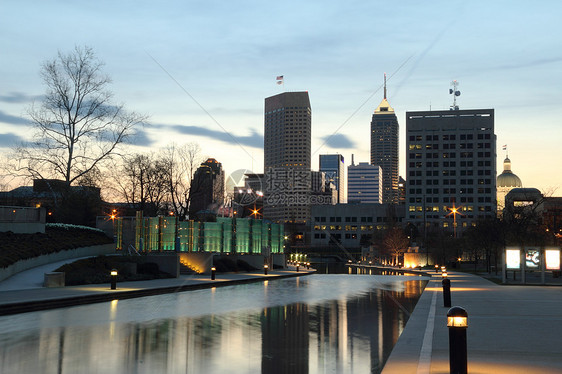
(242,235)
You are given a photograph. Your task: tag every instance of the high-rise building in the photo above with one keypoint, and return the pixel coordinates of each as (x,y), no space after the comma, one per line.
(207,187)
(384,147)
(287,157)
(451,167)
(364,183)
(334,168)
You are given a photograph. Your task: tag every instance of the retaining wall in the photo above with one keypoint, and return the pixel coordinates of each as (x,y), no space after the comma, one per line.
(22,265)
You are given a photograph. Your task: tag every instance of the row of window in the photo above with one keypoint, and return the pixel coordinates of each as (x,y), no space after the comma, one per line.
(346,228)
(450,137)
(435,146)
(349,219)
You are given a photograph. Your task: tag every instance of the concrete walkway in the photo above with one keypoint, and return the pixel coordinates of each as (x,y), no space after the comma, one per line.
(511,329)
(23,293)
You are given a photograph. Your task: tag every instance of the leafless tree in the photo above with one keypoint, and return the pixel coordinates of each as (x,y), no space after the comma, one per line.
(395,242)
(179,164)
(77,127)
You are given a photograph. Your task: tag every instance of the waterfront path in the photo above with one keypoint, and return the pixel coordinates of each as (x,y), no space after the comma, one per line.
(31,296)
(511,329)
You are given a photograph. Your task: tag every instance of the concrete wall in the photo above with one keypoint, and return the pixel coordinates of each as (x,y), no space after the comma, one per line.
(22,220)
(19,266)
(201,262)
(415,259)
(167,262)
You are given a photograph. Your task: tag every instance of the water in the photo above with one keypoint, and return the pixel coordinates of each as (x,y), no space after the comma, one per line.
(313,324)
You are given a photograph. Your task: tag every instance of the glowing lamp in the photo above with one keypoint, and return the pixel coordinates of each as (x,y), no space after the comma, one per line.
(457,317)
(444,275)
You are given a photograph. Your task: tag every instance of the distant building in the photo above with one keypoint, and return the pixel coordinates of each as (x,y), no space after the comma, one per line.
(207,188)
(350,225)
(384,147)
(364,183)
(451,163)
(287,157)
(334,167)
(248,199)
(505,182)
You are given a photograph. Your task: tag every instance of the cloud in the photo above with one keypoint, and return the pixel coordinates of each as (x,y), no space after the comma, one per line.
(254,140)
(18,98)
(338,141)
(140,138)
(12,120)
(9,140)
(530,64)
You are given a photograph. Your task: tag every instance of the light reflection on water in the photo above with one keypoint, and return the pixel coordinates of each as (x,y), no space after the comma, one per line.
(312,324)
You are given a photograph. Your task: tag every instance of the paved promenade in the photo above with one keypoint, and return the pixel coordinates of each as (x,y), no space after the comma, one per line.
(511,329)
(31,296)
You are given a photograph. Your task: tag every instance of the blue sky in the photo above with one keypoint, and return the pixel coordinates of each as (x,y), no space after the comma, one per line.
(201,69)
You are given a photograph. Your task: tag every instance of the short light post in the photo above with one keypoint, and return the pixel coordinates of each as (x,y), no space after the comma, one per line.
(437,268)
(213,271)
(308,265)
(265,268)
(446,282)
(457,322)
(113,279)
(297,267)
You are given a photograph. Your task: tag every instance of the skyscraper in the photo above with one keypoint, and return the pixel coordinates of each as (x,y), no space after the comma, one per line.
(364,183)
(287,157)
(384,147)
(451,167)
(334,168)
(207,187)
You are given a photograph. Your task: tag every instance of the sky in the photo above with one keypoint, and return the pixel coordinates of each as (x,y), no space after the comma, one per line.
(201,70)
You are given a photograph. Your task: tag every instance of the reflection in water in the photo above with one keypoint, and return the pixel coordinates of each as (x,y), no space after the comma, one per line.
(317,324)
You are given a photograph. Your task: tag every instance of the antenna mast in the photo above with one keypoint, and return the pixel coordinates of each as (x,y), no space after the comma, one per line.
(453,91)
(385,86)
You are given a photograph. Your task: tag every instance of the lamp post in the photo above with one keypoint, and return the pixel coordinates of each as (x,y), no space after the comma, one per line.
(457,322)
(113,279)
(265,267)
(213,271)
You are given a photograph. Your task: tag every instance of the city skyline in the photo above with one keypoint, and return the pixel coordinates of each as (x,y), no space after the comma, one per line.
(201,71)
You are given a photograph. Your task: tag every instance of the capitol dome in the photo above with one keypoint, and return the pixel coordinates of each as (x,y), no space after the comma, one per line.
(507,178)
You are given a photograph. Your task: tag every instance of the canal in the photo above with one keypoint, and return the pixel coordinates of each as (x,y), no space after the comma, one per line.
(322,323)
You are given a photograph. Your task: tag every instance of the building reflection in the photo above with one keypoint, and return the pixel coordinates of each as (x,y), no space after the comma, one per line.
(352,334)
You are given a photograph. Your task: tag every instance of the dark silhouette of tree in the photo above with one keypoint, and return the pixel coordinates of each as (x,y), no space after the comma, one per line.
(76,127)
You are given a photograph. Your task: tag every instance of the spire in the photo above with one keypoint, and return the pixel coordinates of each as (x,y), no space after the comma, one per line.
(385,86)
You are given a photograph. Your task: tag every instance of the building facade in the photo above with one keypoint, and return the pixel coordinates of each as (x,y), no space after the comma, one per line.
(334,168)
(450,167)
(365,183)
(350,225)
(287,157)
(384,148)
(207,187)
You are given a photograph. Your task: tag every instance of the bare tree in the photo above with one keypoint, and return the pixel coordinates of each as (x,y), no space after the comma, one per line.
(179,164)
(77,127)
(395,242)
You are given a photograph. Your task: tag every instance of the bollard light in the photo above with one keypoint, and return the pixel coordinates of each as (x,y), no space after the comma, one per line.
(437,268)
(113,279)
(457,322)
(444,275)
(308,265)
(446,282)
(265,267)
(213,271)
(298,267)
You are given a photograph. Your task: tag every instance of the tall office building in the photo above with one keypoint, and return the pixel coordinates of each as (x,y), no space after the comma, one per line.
(334,168)
(207,187)
(384,147)
(364,183)
(451,164)
(287,157)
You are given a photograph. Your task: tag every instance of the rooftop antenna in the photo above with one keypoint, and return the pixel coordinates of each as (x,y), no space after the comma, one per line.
(385,86)
(453,91)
